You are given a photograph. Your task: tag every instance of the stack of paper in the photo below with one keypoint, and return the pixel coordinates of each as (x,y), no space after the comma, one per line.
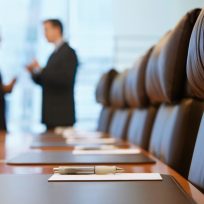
(108,177)
(110,151)
(90,141)
(74,133)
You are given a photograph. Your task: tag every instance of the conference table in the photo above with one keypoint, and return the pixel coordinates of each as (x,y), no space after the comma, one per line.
(15,143)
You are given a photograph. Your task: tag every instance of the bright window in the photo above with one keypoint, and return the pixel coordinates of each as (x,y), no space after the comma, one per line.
(23,40)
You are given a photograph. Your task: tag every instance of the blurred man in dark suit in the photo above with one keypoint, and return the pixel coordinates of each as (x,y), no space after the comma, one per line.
(57,78)
(3,90)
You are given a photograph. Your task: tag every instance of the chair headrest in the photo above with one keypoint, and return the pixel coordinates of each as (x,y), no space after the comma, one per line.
(104,86)
(195,62)
(166,77)
(117,95)
(135,91)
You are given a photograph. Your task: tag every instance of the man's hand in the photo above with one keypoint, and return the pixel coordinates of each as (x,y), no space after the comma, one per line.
(34,65)
(9,87)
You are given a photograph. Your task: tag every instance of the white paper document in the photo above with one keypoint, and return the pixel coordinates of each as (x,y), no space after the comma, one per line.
(74,133)
(108,177)
(95,147)
(110,152)
(91,141)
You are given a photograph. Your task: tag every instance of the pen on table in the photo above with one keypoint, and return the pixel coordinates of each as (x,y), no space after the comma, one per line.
(88,170)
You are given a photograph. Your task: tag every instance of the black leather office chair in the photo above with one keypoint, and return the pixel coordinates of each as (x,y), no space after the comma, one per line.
(103,97)
(143,113)
(132,114)
(195,73)
(178,118)
(121,116)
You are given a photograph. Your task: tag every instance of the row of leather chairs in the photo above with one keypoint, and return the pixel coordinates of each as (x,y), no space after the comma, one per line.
(155,106)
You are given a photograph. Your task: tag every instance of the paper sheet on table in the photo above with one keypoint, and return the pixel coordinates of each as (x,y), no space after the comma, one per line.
(108,177)
(71,132)
(91,141)
(110,151)
(60,130)
(74,133)
(95,147)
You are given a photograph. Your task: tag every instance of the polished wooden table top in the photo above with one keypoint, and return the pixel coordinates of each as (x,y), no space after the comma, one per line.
(13,144)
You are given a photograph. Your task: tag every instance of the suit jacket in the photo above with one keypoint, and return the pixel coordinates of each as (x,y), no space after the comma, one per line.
(57,80)
(2,108)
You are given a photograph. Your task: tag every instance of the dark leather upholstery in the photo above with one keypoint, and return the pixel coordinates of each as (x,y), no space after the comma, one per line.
(121,116)
(105,119)
(117,94)
(195,73)
(119,124)
(134,121)
(195,62)
(142,115)
(103,96)
(177,121)
(174,133)
(104,86)
(165,78)
(140,126)
(196,174)
(135,91)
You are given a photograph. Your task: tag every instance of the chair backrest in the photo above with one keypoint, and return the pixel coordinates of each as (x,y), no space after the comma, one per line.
(119,124)
(195,73)
(103,88)
(121,116)
(140,126)
(105,118)
(103,97)
(132,116)
(143,113)
(166,75)
(174,132)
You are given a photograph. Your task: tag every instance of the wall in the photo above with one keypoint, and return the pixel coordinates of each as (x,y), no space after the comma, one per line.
(139,24)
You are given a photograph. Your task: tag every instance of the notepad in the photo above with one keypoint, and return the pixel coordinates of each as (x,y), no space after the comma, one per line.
(91,141)
(110,151)
(108,177)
